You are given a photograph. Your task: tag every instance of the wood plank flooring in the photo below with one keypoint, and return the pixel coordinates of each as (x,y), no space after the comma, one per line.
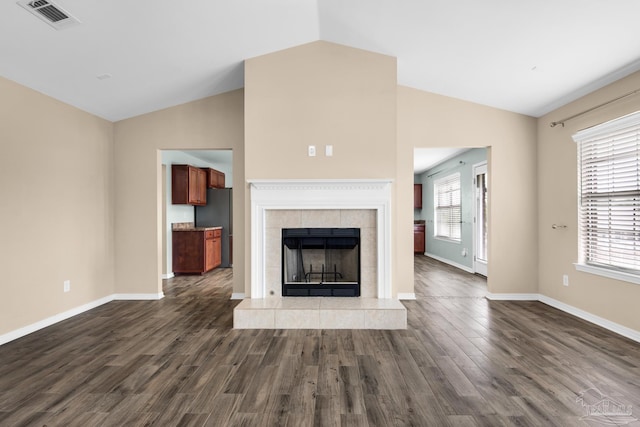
(463,361)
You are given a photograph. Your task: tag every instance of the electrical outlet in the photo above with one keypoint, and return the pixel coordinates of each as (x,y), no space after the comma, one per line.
(565,280)
(312,151)
(67,285)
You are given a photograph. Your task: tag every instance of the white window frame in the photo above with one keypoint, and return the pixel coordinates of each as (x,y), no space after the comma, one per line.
(450,206)
(607,186)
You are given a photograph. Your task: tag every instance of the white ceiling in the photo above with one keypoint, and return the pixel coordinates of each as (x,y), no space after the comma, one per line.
(524,56)
(426,158)
(214,157)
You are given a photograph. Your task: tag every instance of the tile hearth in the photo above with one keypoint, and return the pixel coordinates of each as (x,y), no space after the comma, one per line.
(320,313)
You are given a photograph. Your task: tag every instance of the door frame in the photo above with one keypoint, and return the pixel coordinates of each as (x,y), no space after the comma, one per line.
(479,266)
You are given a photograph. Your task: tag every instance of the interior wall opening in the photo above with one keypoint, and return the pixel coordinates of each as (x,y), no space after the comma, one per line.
(216,211)
(452,206)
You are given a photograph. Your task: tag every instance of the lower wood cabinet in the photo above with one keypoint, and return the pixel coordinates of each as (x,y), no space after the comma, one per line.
(418,238)
(196,251)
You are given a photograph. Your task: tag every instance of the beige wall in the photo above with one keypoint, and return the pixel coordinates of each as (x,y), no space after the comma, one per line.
(56,184)
(211,123)
(318,94)
(557,204)
(323,93)
(81,196)
(429,120)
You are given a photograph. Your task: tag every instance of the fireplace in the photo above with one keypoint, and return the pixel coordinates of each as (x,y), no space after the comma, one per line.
(321,262)
(364,205)
(277,204)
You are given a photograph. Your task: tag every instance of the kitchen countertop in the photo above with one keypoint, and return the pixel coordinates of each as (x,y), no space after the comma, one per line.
(189,226)
(197,229)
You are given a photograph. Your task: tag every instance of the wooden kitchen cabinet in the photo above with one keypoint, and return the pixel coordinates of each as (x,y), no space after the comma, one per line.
(419,238)
(417,196)
(196,251)
(213,249)
(215,179)
(188,185)
(209,256)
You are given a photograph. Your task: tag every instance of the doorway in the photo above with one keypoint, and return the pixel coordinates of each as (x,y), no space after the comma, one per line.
(219,159)
(465,170)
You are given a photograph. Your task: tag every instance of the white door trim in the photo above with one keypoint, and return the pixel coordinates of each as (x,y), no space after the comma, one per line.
(479,266)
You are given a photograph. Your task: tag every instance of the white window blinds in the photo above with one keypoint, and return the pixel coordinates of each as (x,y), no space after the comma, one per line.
(609,194)
(447,207)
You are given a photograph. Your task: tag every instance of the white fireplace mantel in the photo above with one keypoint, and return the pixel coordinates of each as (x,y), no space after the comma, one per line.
(372,194)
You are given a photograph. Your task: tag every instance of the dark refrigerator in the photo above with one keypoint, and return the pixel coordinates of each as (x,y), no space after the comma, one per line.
(218,212)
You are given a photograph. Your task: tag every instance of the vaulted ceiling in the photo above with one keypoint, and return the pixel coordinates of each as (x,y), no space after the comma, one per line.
(131,57)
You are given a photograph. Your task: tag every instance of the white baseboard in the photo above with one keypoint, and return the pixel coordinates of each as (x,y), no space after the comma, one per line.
(451,263)
(512,297)
(237,295)
(26,330)
(168,276)
(138,297)
(632,334)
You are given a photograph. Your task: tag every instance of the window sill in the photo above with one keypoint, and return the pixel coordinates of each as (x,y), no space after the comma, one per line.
(444,239)
(612,274)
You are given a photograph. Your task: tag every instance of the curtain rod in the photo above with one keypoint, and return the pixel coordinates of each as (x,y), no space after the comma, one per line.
(561,122)
(460,163)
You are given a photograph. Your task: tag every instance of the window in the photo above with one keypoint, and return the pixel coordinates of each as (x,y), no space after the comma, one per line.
(609,196)
(447,207)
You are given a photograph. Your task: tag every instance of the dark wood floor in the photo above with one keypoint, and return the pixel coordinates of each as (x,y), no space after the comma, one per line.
(463,361)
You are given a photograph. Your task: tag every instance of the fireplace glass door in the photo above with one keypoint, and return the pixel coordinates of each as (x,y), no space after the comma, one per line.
(321,262)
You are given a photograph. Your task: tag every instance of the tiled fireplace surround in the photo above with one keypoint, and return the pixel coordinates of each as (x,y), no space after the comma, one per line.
(364,219)
(278,204)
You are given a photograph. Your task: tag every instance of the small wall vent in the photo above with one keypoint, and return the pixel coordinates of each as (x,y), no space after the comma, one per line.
(50,13)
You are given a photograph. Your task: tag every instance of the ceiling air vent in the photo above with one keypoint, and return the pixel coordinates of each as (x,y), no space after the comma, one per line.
(50,13)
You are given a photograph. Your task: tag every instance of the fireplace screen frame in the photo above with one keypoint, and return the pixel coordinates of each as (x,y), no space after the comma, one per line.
(321,243)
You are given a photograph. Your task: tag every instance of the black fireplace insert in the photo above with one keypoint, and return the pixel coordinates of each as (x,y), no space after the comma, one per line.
(321,262)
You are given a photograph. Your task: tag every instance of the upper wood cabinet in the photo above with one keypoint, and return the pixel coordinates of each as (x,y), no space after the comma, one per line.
(188,185)
(215,179)
(417,196)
